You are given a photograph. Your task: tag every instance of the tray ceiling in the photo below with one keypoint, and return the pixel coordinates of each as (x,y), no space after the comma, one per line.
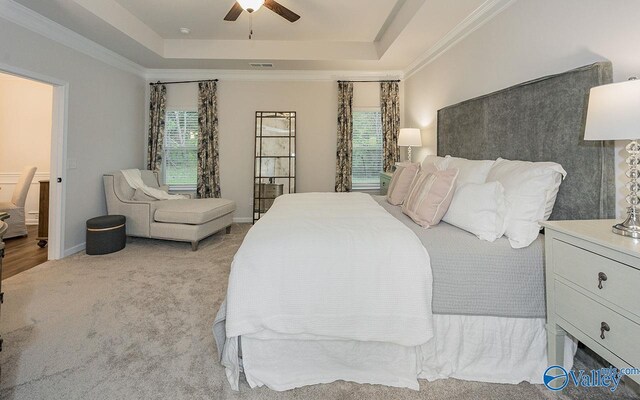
(363,35)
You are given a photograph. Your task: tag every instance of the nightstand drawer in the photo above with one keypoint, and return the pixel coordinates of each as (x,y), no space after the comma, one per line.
(604,277)
(589,316)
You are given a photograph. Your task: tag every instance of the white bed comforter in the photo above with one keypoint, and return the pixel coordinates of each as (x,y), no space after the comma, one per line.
(330,266)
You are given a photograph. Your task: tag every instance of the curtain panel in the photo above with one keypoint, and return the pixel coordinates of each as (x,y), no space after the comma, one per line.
(155,140)
(345,135)
(390,110)
(208,164)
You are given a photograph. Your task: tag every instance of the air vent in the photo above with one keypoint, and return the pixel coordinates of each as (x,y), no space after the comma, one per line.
(261,65)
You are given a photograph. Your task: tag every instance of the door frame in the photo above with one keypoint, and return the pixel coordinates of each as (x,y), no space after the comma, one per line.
(57,168)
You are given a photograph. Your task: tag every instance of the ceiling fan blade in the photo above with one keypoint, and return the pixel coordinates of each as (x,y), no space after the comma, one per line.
(234,13)
(281,10)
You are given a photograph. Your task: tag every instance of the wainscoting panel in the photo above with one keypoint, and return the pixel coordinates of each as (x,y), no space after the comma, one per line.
(8,181)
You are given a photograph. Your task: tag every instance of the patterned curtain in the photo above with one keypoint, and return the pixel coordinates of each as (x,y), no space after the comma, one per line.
(157,111)
(208,167)
(345,135)
(390,109)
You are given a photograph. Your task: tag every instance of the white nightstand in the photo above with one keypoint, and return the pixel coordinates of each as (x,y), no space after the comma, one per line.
(385,181)
(593,291)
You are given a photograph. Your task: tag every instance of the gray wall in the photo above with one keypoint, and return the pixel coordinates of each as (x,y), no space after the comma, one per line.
(530,39)
(105,119)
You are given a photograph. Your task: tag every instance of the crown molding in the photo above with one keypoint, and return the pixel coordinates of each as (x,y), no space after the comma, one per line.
(153,75)
(475,20)
(31,20)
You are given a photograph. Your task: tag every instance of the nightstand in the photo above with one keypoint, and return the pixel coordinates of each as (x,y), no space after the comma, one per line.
(385,181)
(593,291)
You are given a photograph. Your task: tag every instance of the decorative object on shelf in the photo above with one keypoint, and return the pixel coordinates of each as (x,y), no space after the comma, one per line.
(614,114)
(409,137)
(275,158)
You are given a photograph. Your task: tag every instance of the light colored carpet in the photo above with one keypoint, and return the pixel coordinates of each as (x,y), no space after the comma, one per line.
(137,325)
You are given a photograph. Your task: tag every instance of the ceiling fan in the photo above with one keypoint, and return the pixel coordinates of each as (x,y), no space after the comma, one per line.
(253,5)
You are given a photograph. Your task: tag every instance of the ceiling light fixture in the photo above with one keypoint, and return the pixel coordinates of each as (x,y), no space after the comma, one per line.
(185,31)
(251,5)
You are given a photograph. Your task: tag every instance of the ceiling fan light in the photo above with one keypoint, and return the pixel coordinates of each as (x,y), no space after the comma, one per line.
(251,5)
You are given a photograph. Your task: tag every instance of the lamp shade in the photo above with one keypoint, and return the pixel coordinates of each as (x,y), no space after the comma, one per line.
(410,137)
(252,5)
(614,112)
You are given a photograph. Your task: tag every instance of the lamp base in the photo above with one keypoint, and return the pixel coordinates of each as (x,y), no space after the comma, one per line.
(630,227)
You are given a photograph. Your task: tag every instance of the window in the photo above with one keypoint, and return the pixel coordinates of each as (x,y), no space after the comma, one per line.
(181,149)
(367,149)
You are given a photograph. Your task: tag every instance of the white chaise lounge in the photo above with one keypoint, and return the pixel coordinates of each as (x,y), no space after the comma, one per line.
(187,220)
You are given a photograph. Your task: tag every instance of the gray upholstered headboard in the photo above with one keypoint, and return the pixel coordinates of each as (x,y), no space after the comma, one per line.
(540,120)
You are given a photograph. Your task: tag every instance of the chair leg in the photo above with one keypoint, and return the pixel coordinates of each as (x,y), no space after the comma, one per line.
(194,245)
(228,229)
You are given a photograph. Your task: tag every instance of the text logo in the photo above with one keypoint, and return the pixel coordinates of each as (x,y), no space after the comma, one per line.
(556,378)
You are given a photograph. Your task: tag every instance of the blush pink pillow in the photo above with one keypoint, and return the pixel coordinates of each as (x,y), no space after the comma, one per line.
(430,195)
(401,182)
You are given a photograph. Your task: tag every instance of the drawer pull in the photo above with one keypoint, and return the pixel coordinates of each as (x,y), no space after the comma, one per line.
(604,327)
(602,277)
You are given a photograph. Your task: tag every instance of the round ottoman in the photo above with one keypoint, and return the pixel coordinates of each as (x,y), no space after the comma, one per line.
(106,234)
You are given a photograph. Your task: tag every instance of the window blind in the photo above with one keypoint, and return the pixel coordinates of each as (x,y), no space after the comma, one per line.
(367,149)
(181,148)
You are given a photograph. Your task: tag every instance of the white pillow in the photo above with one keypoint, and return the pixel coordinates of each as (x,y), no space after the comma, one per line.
(439,162)
(531,190)
(480,209)
(470,171)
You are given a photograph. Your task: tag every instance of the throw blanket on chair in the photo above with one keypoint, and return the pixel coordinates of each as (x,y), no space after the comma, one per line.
(134,179)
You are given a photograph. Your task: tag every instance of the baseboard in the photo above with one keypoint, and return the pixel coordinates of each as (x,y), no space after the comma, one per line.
(75,249)
(242,220)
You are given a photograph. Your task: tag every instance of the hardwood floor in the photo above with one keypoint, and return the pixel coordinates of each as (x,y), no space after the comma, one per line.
(21,254)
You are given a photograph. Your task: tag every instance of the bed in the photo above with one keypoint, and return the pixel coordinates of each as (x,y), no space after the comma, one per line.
(332,286)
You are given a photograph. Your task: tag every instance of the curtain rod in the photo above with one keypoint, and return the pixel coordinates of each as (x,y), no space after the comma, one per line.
(394,80)
(178,82)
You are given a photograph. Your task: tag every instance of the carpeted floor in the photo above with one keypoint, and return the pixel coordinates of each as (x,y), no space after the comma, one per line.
(137,325)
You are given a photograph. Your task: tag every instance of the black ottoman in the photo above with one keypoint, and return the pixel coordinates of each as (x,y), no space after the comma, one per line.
(106,234)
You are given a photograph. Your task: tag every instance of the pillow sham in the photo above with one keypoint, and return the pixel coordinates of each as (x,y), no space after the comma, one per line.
(439,162)
(530,190)
(471,171)
(430,195)
(480,209)
(401,182)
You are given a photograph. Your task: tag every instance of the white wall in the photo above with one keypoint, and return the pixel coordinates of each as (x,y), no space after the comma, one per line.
(105,119)
(530,39)
(316,105)
(25,136)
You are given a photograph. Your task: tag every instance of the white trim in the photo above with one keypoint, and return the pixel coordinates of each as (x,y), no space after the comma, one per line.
(57,192)
(75,249)
(475,20)
(153,75)
(242,220)
(27,18)
(11,178)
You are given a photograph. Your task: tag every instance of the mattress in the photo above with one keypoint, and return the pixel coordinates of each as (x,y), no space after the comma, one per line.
(476,277)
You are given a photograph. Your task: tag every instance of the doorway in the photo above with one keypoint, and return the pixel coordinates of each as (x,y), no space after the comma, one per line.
(33,124)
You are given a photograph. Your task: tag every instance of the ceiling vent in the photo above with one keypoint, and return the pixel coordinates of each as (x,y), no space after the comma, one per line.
(261,65)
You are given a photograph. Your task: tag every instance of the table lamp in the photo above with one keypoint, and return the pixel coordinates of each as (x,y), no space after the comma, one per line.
(614,114)
(409,137)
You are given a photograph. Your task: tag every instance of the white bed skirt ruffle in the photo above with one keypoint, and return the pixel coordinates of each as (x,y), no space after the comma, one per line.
(476,348)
